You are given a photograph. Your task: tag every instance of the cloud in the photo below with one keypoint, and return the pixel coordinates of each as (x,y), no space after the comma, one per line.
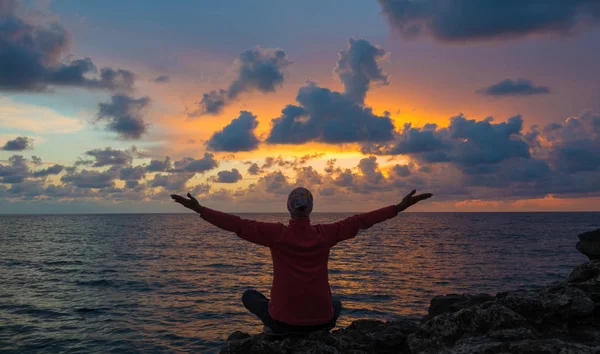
(278,161)
(19,144)
(401,170)
(162,79)
(254,169)
(236,136)
(274,182)
(370,170)
(109,157)
(468,143)
(258,70)
(308,176)
(159,165)
(358,67)
(466,160)
(188,164)
(199,189)
(90,179)
(330,117)
(573,146)
(14,172)
(519,87)
(32,57)
(132,183)
(132,173)
(462,21)
(124,116)
(52,170)
(171,182)
(227,176)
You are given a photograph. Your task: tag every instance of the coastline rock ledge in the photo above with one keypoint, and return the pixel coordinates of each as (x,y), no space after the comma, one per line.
(562,317)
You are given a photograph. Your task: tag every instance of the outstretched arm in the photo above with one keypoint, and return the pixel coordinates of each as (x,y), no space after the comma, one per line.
(349,227)
(261,233)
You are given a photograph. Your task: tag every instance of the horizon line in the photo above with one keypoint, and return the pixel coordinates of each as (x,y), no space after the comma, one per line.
(319,212)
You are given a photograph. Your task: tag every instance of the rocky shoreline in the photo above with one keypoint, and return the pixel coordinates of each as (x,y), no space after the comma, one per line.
(562,317)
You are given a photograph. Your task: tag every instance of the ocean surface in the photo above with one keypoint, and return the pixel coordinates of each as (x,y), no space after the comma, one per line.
(154,283)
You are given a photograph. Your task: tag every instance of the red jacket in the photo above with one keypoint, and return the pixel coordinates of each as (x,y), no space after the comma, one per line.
(300,294)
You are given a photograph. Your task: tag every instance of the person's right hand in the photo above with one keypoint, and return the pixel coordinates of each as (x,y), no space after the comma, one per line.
(412,199)
(191,203)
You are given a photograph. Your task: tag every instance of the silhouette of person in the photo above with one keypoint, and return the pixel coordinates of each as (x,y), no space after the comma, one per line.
(301,299)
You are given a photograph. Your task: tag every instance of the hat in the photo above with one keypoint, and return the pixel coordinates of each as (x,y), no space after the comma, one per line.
(299,199)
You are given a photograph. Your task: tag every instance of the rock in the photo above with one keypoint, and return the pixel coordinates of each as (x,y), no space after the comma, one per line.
(591,236)
(587,282)
(237,335)
(453,302)
(589,244)
(582,273)
(362,336)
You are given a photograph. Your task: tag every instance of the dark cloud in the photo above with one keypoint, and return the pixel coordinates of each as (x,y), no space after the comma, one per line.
(171,182)
(15,171)
(227,176)
(254,169)
(188,164)
(308,176)
(32,57)
(132,183)
(330,117)
(159,165)
(18,144)
(573,146)
(123,115)
(305,158)
(27,189)
(132,173)
(461,21)
(278,161)
(466,143)
(344,178)
(199,189)
(274,182)
(52,170)
(509,87)
(76,72)
(370,170)
(110,157)
(401,170)
(357,68)
(162,79)
(236,136)
(90,179)
(326,192)
(258,70)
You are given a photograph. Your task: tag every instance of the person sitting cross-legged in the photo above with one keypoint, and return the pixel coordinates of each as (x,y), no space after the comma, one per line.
(301,299)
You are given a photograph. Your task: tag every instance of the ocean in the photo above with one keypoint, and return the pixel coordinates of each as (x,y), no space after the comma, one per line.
(172,283)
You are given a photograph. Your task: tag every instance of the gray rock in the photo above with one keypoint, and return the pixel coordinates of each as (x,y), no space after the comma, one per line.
(583,273)
(362,336)
(453,302)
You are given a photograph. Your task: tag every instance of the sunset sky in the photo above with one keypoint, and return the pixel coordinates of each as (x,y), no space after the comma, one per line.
(111,106)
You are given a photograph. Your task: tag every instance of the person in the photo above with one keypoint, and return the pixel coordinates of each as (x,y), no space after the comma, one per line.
(301,299)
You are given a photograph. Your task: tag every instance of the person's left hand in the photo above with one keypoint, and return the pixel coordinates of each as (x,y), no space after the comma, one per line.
(191,203)
(412,199)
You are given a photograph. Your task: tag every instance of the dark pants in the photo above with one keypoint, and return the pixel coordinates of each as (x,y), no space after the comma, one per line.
(258,304)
